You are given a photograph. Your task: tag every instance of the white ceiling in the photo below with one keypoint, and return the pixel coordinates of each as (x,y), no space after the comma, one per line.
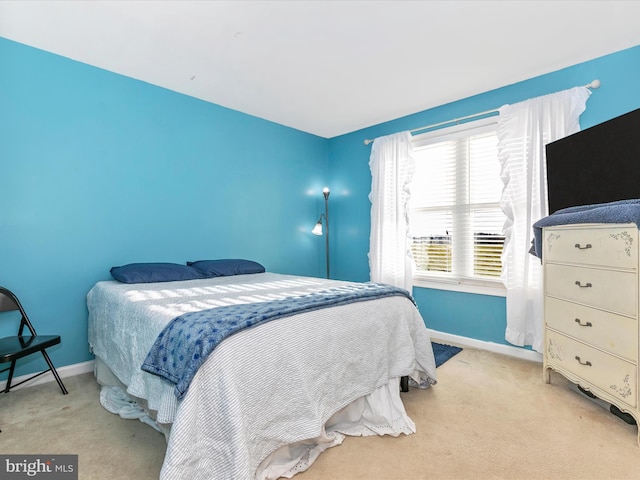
(326,67)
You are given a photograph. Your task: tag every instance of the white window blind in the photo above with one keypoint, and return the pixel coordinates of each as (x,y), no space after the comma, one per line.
(455,216)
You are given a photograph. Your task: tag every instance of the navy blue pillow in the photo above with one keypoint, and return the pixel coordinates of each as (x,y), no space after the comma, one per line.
(227,267)
(154,272)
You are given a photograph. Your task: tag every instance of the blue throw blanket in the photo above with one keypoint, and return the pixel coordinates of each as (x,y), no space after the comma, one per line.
(622,211)
(186,341)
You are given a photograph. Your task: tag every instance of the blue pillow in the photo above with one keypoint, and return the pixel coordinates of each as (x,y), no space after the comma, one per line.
(227,267)
(154,272)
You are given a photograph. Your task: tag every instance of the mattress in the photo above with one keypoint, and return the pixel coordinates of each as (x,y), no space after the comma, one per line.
(268,399)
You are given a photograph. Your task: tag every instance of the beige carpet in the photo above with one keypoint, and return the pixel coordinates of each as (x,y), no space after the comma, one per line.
(489,417)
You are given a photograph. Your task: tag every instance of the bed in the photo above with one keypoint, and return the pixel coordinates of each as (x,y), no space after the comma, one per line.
(270,398)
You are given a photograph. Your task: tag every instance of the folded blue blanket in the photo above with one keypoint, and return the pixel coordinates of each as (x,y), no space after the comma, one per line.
(622,211)
(186,341)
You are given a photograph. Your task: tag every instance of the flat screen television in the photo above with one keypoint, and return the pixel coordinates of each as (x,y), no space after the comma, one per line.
(597,165)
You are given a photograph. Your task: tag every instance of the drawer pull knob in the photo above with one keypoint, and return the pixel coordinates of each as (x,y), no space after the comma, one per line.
(587,285)
(577,245)
(588,324)
(587,363)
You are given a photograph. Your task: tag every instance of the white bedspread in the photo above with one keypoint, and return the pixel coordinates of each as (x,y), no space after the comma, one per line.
(267,387)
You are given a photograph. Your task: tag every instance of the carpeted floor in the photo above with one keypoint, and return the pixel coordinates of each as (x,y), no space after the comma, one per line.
(489,417)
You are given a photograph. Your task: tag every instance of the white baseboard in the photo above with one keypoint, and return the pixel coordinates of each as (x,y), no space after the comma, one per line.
(85,367)
(490,346)
(64,372)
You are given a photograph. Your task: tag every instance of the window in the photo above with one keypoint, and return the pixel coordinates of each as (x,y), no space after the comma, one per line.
(455,216)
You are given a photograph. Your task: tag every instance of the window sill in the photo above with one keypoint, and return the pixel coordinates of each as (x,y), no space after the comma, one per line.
(496,290)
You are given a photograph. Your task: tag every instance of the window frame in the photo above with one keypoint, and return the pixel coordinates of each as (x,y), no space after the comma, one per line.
(466,285)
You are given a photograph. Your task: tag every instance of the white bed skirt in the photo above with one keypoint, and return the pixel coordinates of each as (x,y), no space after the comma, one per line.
(379,413)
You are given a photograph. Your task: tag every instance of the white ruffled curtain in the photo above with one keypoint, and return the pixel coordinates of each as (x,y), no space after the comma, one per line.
(392,168)
(523,131)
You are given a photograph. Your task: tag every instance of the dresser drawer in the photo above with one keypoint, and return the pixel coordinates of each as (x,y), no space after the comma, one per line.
(610,374)
(608,289)
(607,331)
(612,247)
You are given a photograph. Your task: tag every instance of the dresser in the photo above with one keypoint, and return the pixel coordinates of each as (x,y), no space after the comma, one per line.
(591,310)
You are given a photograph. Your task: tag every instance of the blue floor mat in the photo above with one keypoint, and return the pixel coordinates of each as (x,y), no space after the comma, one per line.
(444,352)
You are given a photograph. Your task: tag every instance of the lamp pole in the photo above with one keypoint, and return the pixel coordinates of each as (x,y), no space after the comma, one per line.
(326,192)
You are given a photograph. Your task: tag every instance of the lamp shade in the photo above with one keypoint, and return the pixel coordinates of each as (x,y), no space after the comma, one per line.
(317,230)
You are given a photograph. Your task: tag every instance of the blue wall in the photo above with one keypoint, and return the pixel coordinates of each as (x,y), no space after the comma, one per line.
(477,316)
(97,170)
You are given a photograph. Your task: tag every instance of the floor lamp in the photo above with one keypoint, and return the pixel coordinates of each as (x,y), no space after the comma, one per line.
(317,230)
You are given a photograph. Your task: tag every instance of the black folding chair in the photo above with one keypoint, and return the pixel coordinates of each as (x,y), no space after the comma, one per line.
(14,348)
